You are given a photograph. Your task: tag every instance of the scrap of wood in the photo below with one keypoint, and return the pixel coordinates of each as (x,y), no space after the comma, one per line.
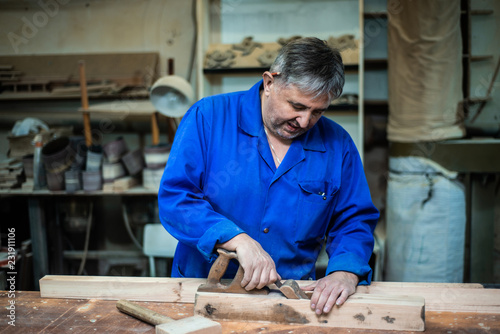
(359,311)
(450,297)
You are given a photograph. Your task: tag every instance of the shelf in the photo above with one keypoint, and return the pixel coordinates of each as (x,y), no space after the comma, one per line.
(375,15)
(376,107)
(478,12)
(478,57)
(375,64)
(101,254)
(45,192)
(343,107)
(258,70)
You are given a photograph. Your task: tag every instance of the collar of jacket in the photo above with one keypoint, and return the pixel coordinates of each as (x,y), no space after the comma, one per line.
(250,121)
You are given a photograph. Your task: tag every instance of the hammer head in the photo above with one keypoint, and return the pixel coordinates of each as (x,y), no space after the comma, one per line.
(191,325)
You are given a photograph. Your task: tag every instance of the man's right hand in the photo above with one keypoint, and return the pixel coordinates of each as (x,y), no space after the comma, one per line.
(257,264)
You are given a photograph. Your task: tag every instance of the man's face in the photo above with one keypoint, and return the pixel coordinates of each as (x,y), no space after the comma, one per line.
(287,112)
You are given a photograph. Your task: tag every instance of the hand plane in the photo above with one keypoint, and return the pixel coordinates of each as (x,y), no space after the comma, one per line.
(289,288)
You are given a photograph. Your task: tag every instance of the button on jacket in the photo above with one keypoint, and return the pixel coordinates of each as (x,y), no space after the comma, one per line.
(221,180)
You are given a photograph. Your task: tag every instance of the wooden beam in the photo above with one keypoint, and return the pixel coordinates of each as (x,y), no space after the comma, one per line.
(155,289)
(450,297)
(359,311)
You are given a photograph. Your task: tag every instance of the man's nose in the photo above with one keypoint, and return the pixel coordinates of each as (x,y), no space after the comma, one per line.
(304,120)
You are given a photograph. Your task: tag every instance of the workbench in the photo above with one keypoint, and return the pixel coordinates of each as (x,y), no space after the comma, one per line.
(34,314)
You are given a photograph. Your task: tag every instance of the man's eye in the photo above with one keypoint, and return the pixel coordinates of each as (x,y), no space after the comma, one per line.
(298,108)
(317,113)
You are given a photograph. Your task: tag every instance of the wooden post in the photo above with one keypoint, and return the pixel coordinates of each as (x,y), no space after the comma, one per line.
(155,130)
(85,104)
(170,121)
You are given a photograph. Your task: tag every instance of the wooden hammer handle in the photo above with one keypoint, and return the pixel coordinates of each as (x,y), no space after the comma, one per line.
(142,313)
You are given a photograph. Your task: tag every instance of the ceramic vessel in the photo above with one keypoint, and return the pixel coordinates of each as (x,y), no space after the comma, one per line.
(92,180)
(55,181)
(115,149)
(134,162)
(157,156)
(94,158)
(72,180)
(112,171)
(58,155)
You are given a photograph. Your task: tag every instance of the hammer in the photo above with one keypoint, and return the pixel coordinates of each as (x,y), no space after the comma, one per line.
(165,325)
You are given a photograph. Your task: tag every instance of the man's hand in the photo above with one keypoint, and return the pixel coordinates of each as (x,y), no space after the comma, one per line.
(258,266)
(333,289)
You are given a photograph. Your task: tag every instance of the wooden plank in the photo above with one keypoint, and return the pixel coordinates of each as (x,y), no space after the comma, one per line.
(35,314)
(158,289)
(359,311)
(450,297)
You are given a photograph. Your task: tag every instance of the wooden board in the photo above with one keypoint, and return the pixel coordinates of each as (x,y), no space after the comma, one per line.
(359,311)
(450,297)
(35,314)
(158,289)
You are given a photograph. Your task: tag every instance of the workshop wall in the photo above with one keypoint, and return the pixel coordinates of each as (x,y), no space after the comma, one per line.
(94,26)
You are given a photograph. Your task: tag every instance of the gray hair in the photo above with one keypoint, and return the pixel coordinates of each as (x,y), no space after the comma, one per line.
(312,66)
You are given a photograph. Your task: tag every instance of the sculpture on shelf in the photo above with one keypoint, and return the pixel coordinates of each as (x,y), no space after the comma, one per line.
(220,59)
(342,43)
(247,46)
(267,57)
(284,41)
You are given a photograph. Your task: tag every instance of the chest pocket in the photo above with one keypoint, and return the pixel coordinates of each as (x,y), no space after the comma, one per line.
(316,202)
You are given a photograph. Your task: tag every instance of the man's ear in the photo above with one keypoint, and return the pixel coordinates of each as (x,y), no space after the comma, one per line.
(268,81)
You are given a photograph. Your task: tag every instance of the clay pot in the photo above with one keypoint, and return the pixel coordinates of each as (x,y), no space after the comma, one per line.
(157,156)
(72,180)
(115,149)
(28,166)
(151,178)
(80,148)
(58,155)
(94,158)
(55,181)
(133,161)
(112,171)
(92,180)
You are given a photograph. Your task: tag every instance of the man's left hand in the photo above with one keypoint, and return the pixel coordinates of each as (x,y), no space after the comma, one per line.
(333,289)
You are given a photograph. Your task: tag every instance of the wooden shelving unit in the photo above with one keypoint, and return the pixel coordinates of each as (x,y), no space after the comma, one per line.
(212,29)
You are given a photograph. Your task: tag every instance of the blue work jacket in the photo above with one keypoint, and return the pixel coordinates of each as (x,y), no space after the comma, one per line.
(221,180)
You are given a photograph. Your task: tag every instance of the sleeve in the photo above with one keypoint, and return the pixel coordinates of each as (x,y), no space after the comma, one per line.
(350,239)
(183,209)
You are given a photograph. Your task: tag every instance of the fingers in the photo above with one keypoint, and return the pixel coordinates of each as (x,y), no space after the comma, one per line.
(309,287)
(260,274)
(332,290)
(258,266)
(324,297)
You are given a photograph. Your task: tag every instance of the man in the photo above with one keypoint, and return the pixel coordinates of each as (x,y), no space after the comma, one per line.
(261,173)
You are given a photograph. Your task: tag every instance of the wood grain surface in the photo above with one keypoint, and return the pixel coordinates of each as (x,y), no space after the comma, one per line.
(35,314)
